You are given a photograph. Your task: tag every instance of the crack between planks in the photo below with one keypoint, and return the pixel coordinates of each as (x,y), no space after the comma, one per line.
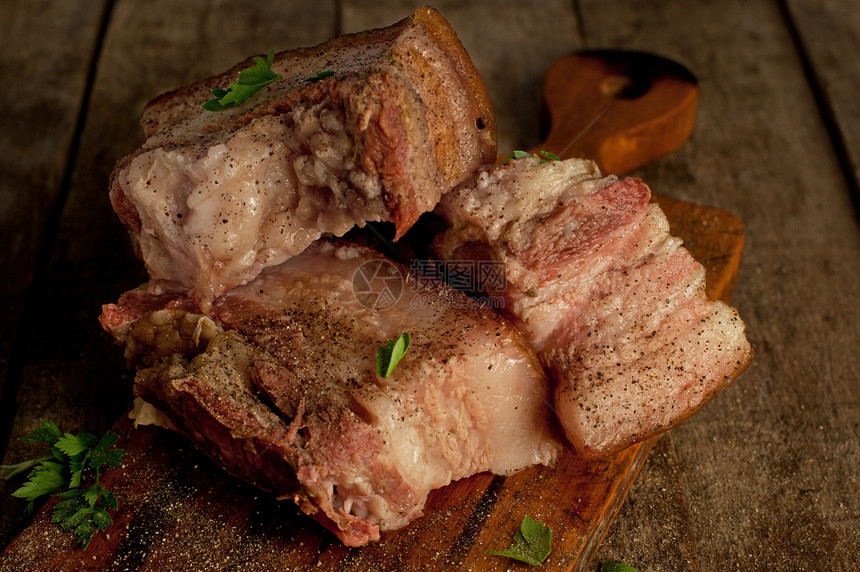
(41,266)
(825,108)
(464,542)
(576,5)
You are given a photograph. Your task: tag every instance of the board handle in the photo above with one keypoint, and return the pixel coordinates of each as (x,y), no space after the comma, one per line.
(621,109)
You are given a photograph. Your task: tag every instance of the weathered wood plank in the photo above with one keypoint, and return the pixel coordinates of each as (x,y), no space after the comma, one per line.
(829,33)
(48,47)
(74,375)
(765,476)
(511,44)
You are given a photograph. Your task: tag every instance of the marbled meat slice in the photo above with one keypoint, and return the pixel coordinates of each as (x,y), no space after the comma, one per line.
(613,304)
(282,389)
(211,198)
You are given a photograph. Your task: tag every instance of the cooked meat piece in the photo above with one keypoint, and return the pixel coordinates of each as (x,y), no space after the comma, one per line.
(614,306)
(211,198)
(286,394)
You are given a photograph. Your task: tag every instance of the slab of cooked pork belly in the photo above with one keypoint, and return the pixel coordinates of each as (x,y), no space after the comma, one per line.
(613,304)
(211,198)
(279,385)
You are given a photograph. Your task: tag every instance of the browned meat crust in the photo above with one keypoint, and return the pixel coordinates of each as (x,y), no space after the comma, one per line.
(403,119)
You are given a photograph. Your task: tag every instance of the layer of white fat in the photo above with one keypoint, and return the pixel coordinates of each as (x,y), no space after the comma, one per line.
(145,413)
(484,412)
(213,217)
(483,409)
(531,187)
(515,406)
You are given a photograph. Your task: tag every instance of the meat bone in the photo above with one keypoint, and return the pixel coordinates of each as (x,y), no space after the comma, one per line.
(621,109)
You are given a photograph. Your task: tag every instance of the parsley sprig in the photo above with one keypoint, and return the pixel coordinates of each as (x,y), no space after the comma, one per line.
(69,460)
(250,82)
(319,76)
(531,543)
(544,156)
(390,354)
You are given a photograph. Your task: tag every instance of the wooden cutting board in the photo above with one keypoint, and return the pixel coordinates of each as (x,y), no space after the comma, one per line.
(178,511)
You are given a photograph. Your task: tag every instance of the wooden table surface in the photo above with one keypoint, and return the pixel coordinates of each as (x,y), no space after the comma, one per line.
(764,478)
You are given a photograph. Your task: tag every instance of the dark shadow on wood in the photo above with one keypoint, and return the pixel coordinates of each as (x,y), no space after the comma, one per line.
(26,328)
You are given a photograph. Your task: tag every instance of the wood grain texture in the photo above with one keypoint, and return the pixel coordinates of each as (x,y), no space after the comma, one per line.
(72,373)
(179,512)
(511,44)
(45,62)
(621,109)
(765,476)
(829,36)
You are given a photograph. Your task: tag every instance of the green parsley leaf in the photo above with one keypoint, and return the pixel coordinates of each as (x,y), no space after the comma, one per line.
(46,478)
(531,543)
(250,82)
(64,510)
(77,464)
(319,76)
(544,156)
(108,500)
(73,445)
(65,464)
(388,355)
(616,566)
(48,433)
(101,518)
(103,453)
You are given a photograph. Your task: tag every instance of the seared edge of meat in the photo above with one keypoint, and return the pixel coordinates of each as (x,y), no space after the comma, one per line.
(212,198)
(286,379)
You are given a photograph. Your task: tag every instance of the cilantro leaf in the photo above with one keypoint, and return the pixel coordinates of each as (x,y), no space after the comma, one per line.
(250,82)
(319,76)
(390,354)
(531,543)
(616,566)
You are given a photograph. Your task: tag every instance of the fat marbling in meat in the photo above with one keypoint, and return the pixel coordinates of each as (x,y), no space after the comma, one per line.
(613,304)
(212,198)
(279,385)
